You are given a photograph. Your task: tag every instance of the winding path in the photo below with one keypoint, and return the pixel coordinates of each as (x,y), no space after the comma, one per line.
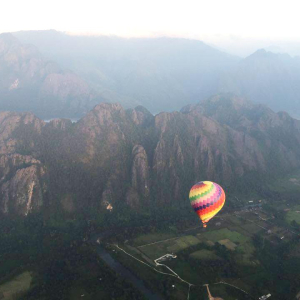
(138,283)
(125,273)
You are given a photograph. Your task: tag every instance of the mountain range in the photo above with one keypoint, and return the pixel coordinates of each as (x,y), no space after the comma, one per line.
(164,74)
(116,159)
(267,78)
(29,82)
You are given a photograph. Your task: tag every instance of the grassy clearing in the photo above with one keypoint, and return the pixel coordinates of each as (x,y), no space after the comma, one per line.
(241,231)
(183,243)
(172,246)
(16,286)
(154,251)
(230,238)
(204,255)
(235,239)
(186,271)
(152,238)
(251,228)
(247,249)
(290,182)
(293,214)
(236,221)
(228,244)
(225,233)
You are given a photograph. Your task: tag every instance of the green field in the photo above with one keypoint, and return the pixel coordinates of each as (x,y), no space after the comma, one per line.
(247,249)
(293,214)
(205,255)
(236,221)
(252,228)
(224,233)
(152,238)
(170,246)
(183,243)
(236,238)
(15,287)
(228,244)
(290,182)
(230,238)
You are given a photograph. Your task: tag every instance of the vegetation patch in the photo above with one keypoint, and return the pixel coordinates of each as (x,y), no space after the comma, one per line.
(293,214)
(246,250)
(209,243)
(183,243)
(228,244)
(290,183)
(152,238)
(159,283)
(225,233)
(15,287)
(169,246)
(252,228)
(204,254)
(236,221)
(154,251)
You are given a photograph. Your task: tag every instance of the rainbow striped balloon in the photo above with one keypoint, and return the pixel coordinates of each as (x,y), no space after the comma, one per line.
(207,198)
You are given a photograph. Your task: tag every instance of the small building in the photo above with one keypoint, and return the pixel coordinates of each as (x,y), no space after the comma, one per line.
(265,297)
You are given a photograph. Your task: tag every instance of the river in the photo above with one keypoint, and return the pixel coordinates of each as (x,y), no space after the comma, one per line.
(121,270)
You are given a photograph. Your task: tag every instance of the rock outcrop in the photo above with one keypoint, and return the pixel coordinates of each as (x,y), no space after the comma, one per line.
(22,188)
(22,176)
(115,158)
(140,179)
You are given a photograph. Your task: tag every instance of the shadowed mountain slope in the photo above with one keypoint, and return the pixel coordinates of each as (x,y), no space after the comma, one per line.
(129,159)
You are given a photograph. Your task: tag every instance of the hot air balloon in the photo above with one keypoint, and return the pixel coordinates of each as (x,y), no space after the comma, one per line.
(207,198)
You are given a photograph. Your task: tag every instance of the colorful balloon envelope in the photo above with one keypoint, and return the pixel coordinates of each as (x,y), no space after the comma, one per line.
(207,198)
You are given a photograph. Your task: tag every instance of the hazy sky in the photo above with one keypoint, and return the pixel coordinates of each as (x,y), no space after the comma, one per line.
(221,22)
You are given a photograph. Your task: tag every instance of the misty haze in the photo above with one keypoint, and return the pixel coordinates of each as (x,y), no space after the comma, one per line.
(149,150)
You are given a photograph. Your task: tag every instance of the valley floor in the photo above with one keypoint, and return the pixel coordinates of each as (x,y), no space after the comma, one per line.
(175,260)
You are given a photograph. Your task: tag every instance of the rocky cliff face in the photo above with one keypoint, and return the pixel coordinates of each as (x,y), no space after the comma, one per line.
(140,179)
(270,136)
(22,176)
(115,158)
(22,187)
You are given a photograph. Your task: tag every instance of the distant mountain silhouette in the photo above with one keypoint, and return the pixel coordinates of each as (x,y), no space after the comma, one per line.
(268,78)
(29,82)
(162,74)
